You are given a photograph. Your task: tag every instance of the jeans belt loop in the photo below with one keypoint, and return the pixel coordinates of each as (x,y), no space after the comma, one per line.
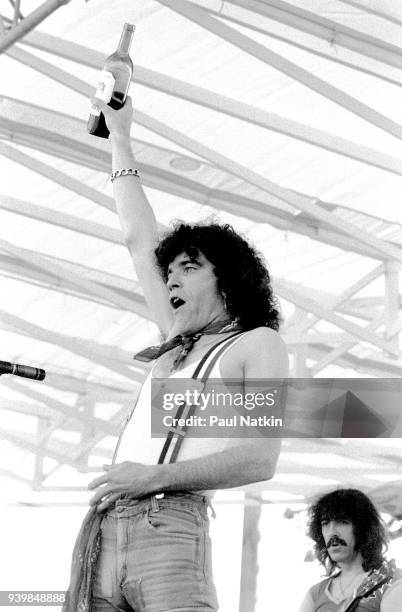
(210,506)
(154,502)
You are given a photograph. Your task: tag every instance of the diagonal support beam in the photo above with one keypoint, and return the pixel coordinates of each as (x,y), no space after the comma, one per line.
(331,338)
(377,367)
(97,389)
(203,19)
(308,205)
(273,122)
(321,47)
(100,429)
(120,283)
(345,347)
(59,219)
(111,357)
(56,408)
(372,327)
(335,303)
(326,226)
(62,420)
(111,281)
(60,272)
(14,476)
(370,8)
(287,292)
(30,22)
(333,32)
(394,329)
(25,272)
(25,442)
(219,103)
(58,177)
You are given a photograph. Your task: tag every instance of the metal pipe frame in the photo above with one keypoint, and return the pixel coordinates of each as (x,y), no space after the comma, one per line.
(31,21)
(247,44)
(209,99)
(67,146)
(322,27)
(323,48)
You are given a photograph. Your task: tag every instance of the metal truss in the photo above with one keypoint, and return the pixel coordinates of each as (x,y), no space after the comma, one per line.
(113,358)
(318,220)
(288,292)
(318,26)
(369,8)
(306,204)
(14,267)
(222,184)
(55,418)
(208,99)
(298,334)
(247,44)
(315,34)
(19,25)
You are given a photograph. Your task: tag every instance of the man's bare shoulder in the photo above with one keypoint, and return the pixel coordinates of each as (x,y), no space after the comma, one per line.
(263,350)
(263,340)
(262,336)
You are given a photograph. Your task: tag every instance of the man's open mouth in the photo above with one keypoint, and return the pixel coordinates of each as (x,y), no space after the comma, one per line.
(176,302)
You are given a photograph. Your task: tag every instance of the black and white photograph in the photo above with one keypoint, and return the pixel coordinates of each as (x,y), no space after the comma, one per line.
(200,305)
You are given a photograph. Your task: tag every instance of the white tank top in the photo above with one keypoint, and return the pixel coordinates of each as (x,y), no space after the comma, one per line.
(136,443)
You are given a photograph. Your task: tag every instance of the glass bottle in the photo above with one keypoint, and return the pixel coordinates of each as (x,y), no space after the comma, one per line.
(113,83)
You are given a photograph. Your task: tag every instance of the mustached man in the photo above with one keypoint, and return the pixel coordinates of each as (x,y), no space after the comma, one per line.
(350,540)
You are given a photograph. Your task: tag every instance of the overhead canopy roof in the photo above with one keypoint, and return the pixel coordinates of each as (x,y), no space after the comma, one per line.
(279,117)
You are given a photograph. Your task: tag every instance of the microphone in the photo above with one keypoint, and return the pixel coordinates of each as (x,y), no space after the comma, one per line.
(21,370)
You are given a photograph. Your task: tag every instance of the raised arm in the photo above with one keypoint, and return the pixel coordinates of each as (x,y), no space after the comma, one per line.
(136,216)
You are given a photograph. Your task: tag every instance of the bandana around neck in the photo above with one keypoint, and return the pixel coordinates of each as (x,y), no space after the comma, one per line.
(186,342)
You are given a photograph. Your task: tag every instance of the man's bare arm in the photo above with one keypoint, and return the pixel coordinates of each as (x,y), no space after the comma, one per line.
(233,467)
(137,219)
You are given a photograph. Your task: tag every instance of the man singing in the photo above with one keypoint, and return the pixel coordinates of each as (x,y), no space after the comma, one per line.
(209,293)
(350,540)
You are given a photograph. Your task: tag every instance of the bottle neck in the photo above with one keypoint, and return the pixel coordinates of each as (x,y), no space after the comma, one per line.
(125,41)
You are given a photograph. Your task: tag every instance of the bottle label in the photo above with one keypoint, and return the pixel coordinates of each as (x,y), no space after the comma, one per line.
(104,89)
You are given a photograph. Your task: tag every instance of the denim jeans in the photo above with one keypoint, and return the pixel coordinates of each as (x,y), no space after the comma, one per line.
(155,557)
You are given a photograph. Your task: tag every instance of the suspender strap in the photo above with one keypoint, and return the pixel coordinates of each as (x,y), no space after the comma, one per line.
(226,342)
(214,359)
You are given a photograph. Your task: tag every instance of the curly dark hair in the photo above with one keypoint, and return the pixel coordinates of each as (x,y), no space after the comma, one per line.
(239,269)
(368,527)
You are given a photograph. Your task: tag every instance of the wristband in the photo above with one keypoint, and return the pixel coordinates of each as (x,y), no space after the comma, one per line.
(124,172)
